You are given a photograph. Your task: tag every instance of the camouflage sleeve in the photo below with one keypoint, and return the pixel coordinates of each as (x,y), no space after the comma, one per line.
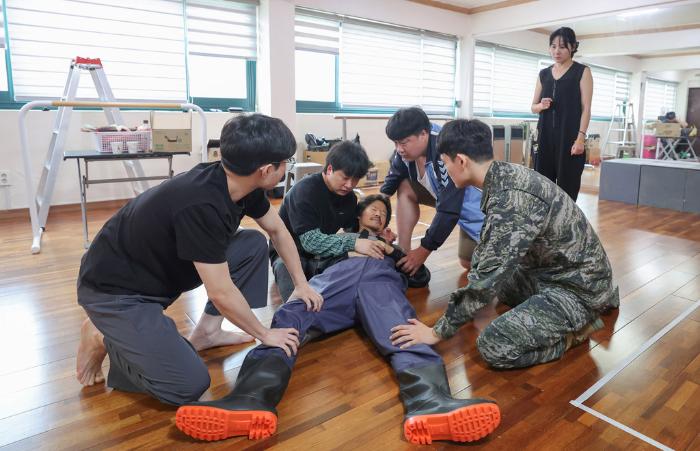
(513,220)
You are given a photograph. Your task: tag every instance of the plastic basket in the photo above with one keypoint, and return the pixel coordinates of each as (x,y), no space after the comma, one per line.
(122,142)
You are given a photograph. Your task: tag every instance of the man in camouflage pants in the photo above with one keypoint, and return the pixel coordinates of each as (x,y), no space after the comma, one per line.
(538,254)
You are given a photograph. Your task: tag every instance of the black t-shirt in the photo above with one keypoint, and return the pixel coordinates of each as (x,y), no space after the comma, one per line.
(149,245)
(311,205)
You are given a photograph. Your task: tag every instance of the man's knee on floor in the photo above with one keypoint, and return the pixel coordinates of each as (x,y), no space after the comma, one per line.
(182,388)
(466,264)
(193,385)
(497,349)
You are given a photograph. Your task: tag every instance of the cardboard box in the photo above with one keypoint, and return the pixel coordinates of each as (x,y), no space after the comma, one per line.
(315,156)
(371,179)
(214,150)
(668,130)
(382,170)
(171,132)
(375,175)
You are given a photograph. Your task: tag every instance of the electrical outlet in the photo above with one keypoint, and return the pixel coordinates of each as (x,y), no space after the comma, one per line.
(5,177)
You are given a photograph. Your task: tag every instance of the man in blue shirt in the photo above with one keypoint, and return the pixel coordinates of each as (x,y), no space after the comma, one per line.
(420,178)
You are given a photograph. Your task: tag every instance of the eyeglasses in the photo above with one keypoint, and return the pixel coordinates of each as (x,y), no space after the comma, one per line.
(291,161)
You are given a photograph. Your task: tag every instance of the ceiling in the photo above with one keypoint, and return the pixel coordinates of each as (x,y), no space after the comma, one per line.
(647,19)
(472,3)
(678,52)
(470,6)
(664,29)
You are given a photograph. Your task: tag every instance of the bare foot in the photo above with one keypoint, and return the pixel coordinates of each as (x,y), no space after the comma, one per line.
(91,354)
(207,334)
(202,341)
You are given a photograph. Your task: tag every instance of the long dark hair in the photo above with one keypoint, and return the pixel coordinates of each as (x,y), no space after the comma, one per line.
(568,37)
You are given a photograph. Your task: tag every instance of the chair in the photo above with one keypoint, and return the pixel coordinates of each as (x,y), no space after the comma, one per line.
(298,172)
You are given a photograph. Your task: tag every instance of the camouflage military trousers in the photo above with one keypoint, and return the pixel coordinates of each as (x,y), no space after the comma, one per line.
(534,330)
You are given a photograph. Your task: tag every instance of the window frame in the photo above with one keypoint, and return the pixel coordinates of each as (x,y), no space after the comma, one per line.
(220,103)
(666,84)
(7,97)
(335,107)
(249,103)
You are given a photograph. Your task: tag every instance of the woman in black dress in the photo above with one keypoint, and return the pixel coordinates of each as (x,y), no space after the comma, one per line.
(563,101)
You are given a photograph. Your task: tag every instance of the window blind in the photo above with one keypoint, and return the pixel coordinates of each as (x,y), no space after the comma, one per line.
(222,29)
(515,75)
(316,33)
(504,82)
(140,42)
(659,98)
(221,37)
(2,28)
(3,62)
(483,80)
(381,66)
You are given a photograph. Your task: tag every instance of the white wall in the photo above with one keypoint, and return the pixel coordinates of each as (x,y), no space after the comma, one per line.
(276,60)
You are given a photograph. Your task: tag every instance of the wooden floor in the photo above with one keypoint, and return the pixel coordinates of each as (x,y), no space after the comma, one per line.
(342,393)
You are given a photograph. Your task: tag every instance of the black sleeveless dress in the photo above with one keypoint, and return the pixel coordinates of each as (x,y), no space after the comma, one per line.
(558,128)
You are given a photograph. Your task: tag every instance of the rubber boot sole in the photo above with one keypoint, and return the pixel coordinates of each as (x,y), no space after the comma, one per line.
(211,423)
(466,424)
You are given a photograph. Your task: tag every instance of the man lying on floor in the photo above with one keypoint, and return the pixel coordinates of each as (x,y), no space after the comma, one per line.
(537,253)
(361,290)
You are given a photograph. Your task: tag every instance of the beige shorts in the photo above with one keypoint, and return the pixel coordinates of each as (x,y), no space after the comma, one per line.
(422,194)
(466,246)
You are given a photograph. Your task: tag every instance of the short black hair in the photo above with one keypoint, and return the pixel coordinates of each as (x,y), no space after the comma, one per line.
(568,37)
(253,140)
(349,157)
(407,122)
(470,137)
(369,200)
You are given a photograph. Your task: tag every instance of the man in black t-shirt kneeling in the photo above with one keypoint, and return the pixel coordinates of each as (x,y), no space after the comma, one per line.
(171,239)
(316,208)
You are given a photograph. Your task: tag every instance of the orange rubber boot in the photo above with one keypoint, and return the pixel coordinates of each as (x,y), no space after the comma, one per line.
(212,423)
(248,410)
(433,414)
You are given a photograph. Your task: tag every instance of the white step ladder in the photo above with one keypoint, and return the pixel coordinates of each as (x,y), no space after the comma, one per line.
(49,171)
(39,198)
(622,122)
